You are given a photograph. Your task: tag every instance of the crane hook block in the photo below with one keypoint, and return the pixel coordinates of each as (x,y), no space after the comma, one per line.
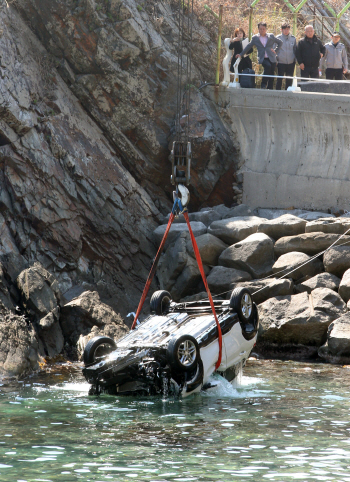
(181,154)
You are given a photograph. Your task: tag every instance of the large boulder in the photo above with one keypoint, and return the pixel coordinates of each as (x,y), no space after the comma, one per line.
(41,300)
(187,282)
(39,291)
(299,319)
(235,229)
(51,340)
(285,225)
(337,260)
(210,248)
(262,290)
(206,217)
(240,210)
(254,254)
(344,287)
(328,225)
(80,315)
(308,243)
(178,271)
(322,280)
(18,345)
(198,228)
(297,265)
(337,346)
(172,262)
(223,279)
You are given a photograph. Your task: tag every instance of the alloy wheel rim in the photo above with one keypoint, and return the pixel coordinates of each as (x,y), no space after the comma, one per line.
(246,305)
(187,352)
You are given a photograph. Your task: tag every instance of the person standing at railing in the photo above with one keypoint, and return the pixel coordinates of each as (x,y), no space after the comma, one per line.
(309,52)
(237,46)
(336,58)
(286,56)
(264,42)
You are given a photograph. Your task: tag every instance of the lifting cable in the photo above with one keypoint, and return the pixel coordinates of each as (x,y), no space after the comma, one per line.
(181,156)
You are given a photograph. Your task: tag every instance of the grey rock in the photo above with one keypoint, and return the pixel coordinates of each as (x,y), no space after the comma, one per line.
(309,243)
(235,229)
(297,265)
(188,280)
(80,315)
(173,262)
(239,211)
(223,279)
(337,260)
(299,319)
(344,287)
(262,290)
(322,280)
(203,295)
(285,225)
(254,254)
(210,248)
(39,291)
(198,228)
(328,225)
(221,209)
(50,334)
(300,213)
(206,217)
(337,345)
(312,215)
(18,345)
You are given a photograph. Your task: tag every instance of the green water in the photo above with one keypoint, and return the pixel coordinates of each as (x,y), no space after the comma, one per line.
(284,421)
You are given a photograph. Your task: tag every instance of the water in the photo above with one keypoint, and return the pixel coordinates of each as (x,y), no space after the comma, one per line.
(283,421)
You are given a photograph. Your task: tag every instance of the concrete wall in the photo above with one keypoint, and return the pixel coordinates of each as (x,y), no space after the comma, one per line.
(295,147)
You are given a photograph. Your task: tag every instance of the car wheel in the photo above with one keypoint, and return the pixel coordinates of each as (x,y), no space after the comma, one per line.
(183,353)
(160,302)
(96,348)
(241,301)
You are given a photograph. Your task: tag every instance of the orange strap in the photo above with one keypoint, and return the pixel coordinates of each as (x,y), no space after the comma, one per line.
(204,278)
(153,271)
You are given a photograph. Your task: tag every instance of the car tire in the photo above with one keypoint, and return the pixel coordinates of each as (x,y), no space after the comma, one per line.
(241,301)
(183,353)
(160,302)
(96,348)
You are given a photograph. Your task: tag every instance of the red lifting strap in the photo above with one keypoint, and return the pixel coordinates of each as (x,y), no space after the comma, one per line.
(153,271)
(201,269)
(204,278)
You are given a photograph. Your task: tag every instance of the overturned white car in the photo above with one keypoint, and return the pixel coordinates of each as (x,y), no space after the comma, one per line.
(175,349)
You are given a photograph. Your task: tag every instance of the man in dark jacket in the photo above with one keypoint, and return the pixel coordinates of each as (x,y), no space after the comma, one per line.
(309,52)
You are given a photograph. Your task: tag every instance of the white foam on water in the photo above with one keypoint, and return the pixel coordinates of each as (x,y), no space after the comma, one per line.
(73,387)
(242,387)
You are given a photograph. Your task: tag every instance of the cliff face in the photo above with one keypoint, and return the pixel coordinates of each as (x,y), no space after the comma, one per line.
(87,103)
(120,59)
(66,200)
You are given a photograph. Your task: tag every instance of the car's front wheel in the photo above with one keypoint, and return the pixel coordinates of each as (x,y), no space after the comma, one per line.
(96,348)
(241,301)
(183,353)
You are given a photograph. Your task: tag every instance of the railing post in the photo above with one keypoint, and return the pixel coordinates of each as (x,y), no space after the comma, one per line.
(340,14)
(217,77)
(251,11)
(250,23)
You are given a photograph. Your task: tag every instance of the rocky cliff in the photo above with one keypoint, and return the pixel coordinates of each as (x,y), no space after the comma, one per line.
(87,102)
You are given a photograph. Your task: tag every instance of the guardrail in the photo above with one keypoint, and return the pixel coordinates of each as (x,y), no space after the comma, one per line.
(235,84)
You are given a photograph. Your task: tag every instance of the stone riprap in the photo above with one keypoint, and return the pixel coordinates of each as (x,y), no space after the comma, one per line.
(252,251)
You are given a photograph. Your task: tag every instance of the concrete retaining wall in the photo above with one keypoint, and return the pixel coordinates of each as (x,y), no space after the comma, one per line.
(295,147)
